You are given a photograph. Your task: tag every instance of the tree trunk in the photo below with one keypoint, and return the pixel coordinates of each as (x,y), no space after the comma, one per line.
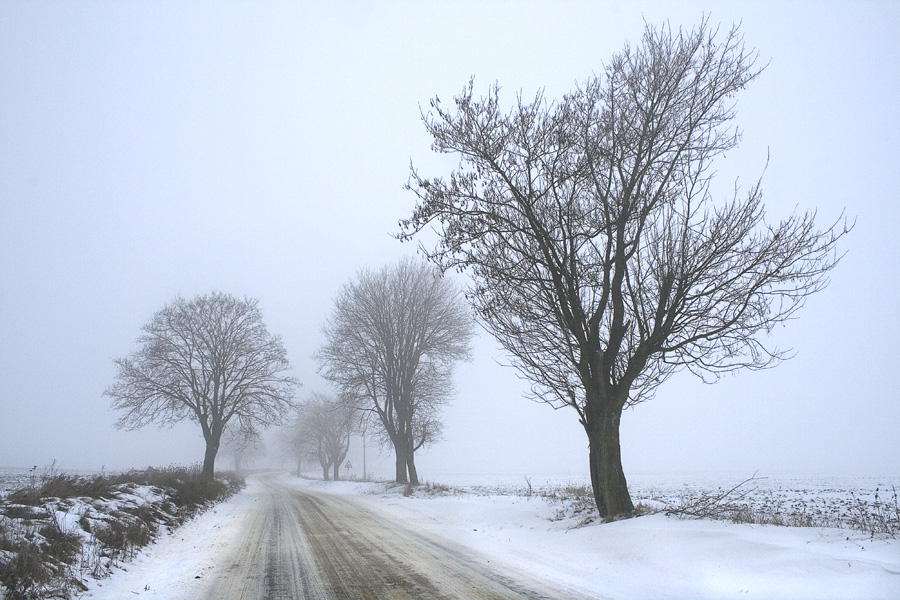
(325,471)
(607,475)
(411,467)
(299,465)
(400,472)
(209,458)
(337,471)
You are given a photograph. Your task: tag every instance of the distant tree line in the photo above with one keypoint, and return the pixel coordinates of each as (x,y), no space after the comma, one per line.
(390,346)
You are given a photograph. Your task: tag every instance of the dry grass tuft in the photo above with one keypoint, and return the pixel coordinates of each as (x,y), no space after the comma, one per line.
(41,557)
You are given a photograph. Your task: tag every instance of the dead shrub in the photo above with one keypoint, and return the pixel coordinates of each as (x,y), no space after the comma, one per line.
(27,496)
(24,512)
(727,504)
(121,537)
(572,501)
(879,518)
(61,546)
(24,573)
(85,521)
(39,558)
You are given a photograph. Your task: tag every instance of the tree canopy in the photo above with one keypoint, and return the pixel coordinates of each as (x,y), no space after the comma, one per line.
(210,360)
(321,432)
(391,343)
(598,256)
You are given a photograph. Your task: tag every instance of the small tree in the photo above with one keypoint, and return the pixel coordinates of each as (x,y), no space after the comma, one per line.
(321,432)
(210,360)
(390,346)
(293,441)
(242,447)
(598,258)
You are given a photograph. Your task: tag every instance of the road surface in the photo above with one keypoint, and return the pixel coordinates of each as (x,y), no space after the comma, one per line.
(306,544)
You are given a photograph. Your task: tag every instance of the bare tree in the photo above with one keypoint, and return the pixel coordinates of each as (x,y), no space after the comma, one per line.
(243,447)
(211,360)
(321,432)
(391,342)
(598,257)
(294,441)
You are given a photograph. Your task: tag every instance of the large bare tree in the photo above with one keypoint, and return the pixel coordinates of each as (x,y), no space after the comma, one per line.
(599,258)
(210,360)
(391,342)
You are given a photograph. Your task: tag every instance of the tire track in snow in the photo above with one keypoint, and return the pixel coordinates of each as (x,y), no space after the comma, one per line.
(316,546)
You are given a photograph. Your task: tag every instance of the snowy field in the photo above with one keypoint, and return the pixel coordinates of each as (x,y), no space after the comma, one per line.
(11,479)
(655,556)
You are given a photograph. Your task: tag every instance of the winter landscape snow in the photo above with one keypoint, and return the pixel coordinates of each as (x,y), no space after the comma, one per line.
(654,556)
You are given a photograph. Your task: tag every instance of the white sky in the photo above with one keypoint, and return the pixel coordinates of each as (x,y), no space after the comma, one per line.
(149,149)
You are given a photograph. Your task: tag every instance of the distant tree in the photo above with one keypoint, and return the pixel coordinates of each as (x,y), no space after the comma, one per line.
(243,448)
(293,441)
(391,342)
(598,257)
(321,433)
(210,360)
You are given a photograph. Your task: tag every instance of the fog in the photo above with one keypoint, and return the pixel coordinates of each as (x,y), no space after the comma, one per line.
(155,149)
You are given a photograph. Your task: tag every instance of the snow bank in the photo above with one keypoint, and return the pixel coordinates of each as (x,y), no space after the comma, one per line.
(653,556)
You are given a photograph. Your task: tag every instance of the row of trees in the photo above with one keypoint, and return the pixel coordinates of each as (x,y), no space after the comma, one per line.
(390,346)
(597,256)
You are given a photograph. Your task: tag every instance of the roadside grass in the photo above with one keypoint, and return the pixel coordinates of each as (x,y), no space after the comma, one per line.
(833,503)
(875,514)
(58,530)
(752,501)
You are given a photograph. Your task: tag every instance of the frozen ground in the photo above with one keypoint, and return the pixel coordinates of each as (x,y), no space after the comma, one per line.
(649,557)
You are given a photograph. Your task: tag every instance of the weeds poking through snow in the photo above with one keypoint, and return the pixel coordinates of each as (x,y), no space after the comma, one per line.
(743,503)
(727,505)
(880,519)
(56,532)
(572,501)
(760,501)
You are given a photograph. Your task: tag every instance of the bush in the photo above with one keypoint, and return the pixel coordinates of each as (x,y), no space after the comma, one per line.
(63,486)
(185,487)
(572,501)
(121,537)
(61,546)
(880,518)
(27,496)
(24,512)
(72,486)
(24,573)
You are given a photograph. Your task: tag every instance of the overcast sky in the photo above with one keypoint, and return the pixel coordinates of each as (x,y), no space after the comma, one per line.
(150,149)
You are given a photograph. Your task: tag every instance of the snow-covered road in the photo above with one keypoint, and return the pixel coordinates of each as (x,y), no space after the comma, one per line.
(283,537)
(280,541)
(304,544)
